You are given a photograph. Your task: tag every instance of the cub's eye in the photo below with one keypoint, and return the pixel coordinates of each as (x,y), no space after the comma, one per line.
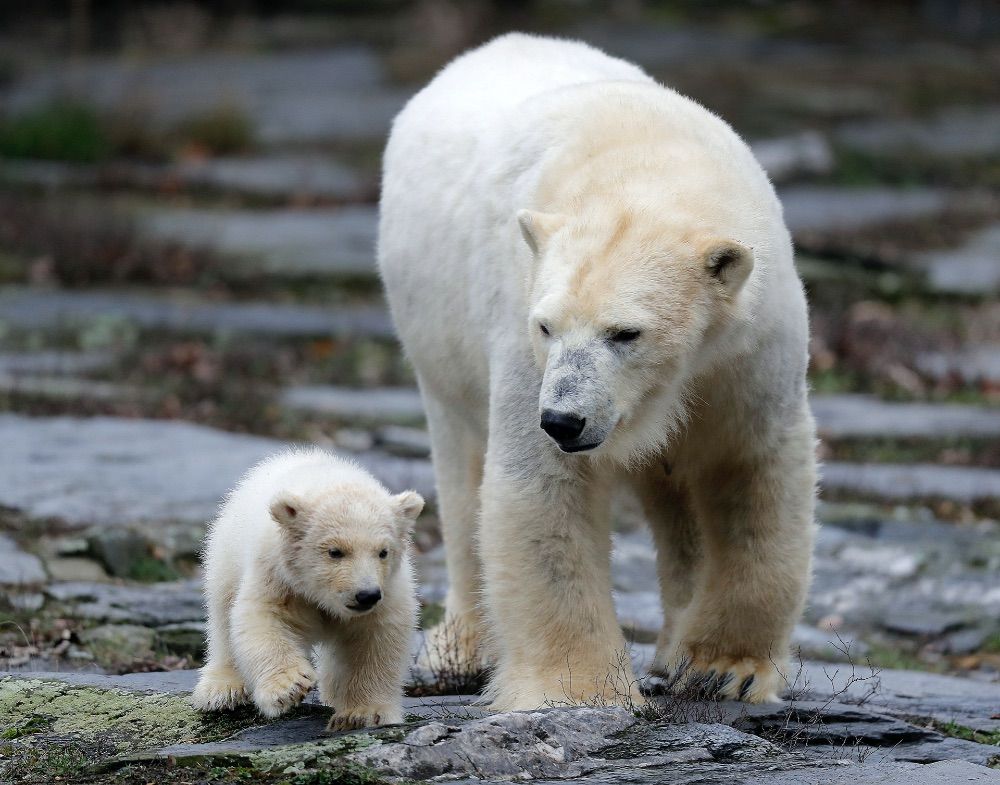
(336,553)
(624,336)
(383,553)
(544,329)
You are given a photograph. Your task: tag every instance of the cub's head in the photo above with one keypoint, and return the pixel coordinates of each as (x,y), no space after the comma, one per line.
(624,307)
(343,546)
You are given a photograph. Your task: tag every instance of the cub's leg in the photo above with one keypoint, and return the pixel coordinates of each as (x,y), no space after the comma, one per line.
(757,522)
(270,651)
(678,549)
(453,646)
(361,670)
(545,545)
(220,685)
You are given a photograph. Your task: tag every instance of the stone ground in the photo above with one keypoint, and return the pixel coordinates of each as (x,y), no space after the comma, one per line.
(203,293)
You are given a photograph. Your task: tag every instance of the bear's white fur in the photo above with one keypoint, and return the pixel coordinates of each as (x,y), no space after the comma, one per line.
(300,539)
(563,239)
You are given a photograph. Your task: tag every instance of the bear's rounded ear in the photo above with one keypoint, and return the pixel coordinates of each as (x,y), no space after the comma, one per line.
(729,263)
(537,228)
(409,505)
(286,510)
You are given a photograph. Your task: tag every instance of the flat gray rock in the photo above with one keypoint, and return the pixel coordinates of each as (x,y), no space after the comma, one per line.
(54,363)
(814,741)
(64,387)
(283,242)
(899,482)
(811,208)
(786,157)
(18,568)
(274,176)
(113,471)
(151,605)
(27,308)
(973,268)
(380,404)
(554,743)
(278,176)
(959,132)
(313,96)
(846,416)
(906,694)
(972,364)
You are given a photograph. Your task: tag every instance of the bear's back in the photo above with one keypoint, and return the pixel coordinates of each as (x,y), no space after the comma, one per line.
(484,85)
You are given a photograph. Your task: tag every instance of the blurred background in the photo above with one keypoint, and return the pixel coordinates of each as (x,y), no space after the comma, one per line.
(188,199)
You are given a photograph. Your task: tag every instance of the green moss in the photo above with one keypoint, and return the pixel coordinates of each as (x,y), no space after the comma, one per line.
(149,569)
(894,658)
(60,131)
(30,725)
(957,731)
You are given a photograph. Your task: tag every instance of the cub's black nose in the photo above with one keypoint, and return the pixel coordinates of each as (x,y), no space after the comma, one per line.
(561,426)
(367,598)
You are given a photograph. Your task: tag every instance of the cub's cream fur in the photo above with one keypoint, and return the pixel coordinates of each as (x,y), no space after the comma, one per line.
(568,245)
(301,548)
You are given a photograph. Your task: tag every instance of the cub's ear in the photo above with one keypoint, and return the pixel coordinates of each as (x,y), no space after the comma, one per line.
(287,511)
(537,228)
(409,505)
(729,263)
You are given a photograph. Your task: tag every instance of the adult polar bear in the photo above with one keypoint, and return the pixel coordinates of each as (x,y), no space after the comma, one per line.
(592,278)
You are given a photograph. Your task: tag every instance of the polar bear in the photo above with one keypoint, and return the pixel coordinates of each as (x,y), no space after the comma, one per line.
(309,550)
(592,278)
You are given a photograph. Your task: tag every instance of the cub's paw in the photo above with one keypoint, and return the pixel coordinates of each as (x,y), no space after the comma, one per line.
(358,716)
(748,679)
(219,689)
(283,690)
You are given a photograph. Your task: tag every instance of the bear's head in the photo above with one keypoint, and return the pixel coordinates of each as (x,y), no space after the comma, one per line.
(625,306)
(343,545)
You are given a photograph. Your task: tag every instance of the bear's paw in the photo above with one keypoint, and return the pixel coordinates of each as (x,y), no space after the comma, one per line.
(747,679)
(284,689)
(353,717)
(219,690)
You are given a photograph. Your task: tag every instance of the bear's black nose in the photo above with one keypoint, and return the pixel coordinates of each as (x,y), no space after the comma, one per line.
(367,598)
(562,426)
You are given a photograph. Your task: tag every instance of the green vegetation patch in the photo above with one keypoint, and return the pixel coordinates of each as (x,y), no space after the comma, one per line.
(957,731)
(59,131)
(50,728)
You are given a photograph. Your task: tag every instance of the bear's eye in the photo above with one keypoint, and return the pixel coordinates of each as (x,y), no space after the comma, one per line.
(544,329)
(624,336)
(383,553)
(336,553)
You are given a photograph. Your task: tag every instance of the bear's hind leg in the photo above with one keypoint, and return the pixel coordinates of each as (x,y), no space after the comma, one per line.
(220,685)
(452,647)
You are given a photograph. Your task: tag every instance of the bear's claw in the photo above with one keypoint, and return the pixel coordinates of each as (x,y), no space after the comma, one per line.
(750,679)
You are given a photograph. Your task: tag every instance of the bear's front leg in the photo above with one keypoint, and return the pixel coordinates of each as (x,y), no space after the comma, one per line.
(362,668)
(757,523)
(545,546)
(270,652)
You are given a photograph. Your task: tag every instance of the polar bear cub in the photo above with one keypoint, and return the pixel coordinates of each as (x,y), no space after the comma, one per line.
(308,580)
